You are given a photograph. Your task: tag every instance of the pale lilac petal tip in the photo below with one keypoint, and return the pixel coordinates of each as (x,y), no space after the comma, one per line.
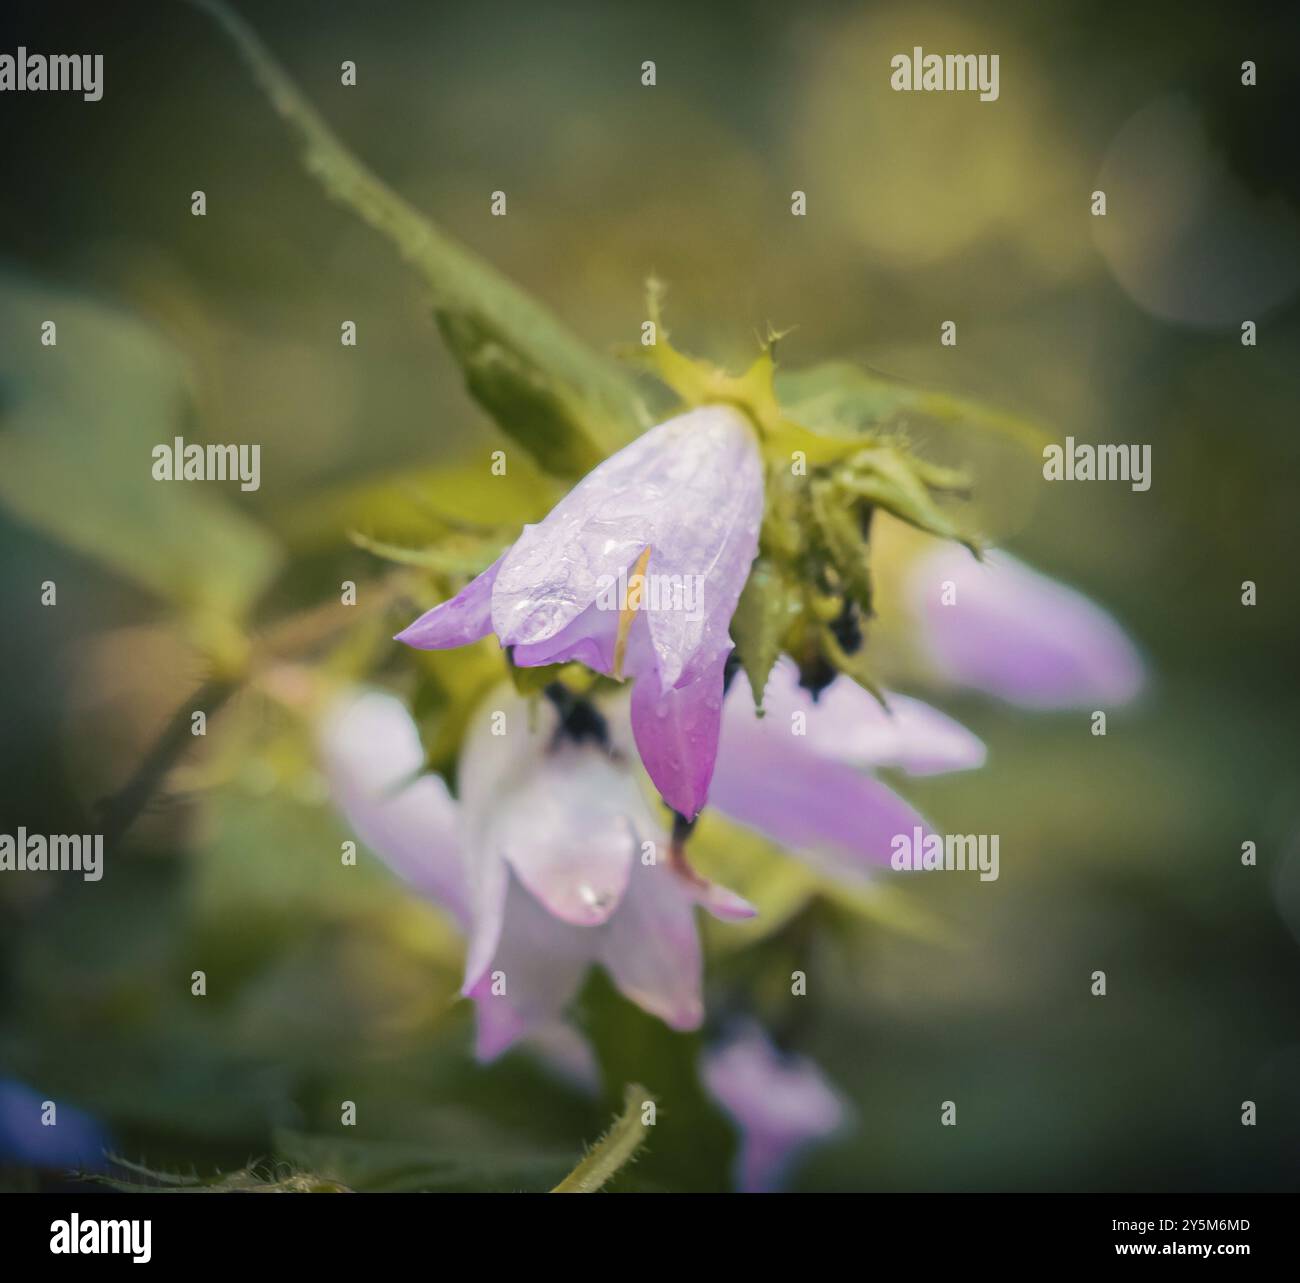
(498,1022)
(718,902)
(1017,634)
(926,741)
(465,618)
(533,974)
(651,948)
(677,736)
(782,1104)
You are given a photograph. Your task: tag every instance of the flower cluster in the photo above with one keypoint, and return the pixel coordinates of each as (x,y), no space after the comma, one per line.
(552,858)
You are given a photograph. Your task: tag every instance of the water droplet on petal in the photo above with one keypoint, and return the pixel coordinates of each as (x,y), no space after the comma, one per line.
(590,896)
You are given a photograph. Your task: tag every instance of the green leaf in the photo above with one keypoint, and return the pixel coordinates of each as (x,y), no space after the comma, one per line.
(614,1149)
(838,399)
(458,556)
(516,382)
(419,506)
(768,604)
(565,404)
(78,423)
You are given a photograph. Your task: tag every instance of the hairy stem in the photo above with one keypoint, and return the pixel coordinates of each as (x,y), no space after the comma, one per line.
(615,1148)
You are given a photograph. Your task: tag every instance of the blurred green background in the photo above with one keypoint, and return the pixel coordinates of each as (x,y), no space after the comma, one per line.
(1120,854)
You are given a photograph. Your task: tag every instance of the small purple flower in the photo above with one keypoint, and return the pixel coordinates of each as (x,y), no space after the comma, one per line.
(684,503)
(550,862)
(799,773)
(1012,632)
(782,1104)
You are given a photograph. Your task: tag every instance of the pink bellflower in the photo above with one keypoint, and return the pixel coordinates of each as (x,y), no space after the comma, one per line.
(679,510)
(550,861)
(1000,627)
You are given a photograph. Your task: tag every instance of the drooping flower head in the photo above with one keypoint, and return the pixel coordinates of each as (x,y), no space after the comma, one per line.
(674,516)
(551,861)
(569,867)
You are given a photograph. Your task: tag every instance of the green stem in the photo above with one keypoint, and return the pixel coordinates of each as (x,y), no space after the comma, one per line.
(615,1148)
(119,812)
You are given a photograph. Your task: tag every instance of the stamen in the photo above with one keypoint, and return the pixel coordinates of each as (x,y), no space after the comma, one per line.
(627,611)
(580,720)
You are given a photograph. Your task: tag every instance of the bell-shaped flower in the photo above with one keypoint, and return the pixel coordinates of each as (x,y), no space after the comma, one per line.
(636,572)
(1000,627)
(799,774)
(550,861)
(370,749)
(569,867)
(780,1103)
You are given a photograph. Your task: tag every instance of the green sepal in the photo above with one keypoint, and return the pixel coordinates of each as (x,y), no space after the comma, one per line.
(891,479)
(768,605)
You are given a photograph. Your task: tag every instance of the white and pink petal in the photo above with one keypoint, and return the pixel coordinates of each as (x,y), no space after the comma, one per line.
(373,759)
